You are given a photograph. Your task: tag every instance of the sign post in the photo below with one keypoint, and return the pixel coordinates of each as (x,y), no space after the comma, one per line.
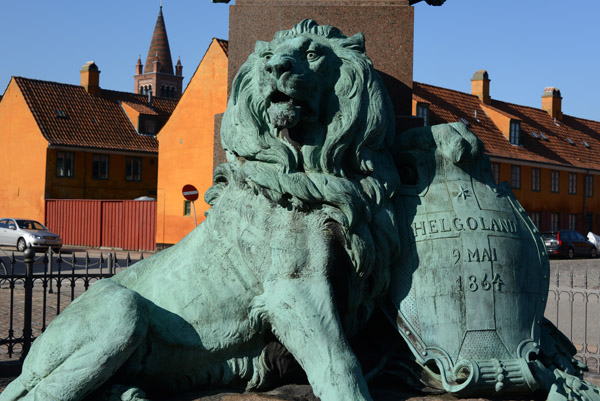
(191,193)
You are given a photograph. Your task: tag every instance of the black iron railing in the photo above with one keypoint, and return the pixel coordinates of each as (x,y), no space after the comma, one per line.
(35,289)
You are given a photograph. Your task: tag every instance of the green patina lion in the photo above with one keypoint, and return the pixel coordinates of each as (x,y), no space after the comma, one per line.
(300,210)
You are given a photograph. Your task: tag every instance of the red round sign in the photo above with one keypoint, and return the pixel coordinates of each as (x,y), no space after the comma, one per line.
(190,192)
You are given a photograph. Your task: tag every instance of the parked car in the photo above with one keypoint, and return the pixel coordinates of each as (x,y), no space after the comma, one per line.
(568,243)
(26,233)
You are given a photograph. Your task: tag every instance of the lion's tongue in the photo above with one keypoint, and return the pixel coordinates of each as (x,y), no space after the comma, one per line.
(284,114)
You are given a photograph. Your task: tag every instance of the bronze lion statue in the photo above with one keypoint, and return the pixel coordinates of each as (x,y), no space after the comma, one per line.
(294,251)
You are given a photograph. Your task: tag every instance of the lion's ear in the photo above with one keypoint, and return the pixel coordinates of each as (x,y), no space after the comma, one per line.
(356,43)
(260,46)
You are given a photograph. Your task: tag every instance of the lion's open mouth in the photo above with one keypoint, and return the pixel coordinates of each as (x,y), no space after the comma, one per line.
(284,112)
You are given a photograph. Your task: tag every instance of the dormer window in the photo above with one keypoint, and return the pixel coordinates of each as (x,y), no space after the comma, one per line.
(515,133)
(423,112)
(147,125)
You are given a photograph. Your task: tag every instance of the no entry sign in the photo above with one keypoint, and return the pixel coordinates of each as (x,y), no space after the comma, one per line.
(190,192)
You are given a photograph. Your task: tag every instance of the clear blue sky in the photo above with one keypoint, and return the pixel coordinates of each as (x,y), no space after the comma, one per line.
(524,45)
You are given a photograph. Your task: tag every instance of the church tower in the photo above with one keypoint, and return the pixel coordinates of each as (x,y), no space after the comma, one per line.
(157,76)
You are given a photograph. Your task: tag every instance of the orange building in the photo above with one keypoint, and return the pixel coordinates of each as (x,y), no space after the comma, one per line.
(187,144)
(551,160)
(63,141)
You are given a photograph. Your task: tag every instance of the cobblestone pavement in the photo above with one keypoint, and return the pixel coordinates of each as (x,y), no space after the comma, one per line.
(38,320)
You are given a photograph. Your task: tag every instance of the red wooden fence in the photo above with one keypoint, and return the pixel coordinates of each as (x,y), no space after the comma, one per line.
(125,224)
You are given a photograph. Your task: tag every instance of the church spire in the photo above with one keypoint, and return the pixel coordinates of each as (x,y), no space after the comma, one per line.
(159,48)
(157,75)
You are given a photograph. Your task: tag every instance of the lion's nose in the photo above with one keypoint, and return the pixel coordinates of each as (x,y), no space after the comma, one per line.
(278,65)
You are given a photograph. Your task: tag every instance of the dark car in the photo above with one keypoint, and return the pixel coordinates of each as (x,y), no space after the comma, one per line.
(568,243)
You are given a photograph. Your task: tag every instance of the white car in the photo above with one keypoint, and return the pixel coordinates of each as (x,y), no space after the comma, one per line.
(26,233)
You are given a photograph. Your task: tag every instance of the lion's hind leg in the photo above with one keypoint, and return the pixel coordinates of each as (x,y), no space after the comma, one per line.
(83,347)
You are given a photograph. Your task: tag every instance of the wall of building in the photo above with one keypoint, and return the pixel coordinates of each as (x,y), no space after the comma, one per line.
(23,158)
(562,202)
(83,186)
(186,146)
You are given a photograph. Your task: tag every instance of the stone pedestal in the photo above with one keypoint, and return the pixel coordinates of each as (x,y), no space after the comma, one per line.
(386,24)
(304,393)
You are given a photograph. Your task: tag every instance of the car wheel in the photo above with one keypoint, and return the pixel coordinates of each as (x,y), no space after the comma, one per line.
(55,250)
(570,253)
(593,252)
(21,245)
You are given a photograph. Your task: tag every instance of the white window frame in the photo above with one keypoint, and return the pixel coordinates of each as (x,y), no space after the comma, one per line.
(554,221)
(423,112)
(102,170)
(554,181)
(572,183)
(589,185)
(515,177)
(496,172)
(515,133)
(536,178)
(572,221)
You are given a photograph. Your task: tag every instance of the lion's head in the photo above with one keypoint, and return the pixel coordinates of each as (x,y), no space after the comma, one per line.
(309,120)
(310,101)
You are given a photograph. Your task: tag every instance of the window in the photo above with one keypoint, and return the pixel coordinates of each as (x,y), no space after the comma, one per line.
(588,186)
(535,179)
(554,180)
(588,221)
(572,222)
(515,177)
(554,217)
(572,183)
(133,169)
(536,217)
(150,127)
(423,112)
(100,167)
(64,164)
(514,136)
(496,172)
(187,208)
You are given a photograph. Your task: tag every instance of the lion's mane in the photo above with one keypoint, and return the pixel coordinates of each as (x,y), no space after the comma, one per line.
(351,175)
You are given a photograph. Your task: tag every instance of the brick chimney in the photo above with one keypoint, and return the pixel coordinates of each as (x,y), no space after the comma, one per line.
(90,78)
(480,86)
(551,102)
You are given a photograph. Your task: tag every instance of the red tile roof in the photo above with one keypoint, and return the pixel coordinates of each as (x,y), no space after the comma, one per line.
(69,116)
(448,105)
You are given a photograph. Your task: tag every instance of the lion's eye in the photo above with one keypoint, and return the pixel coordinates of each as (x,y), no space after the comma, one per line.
(267,56)
(311,56)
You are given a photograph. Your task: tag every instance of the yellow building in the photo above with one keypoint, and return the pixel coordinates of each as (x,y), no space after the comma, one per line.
(551,160)
(63,141)
(187,146)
